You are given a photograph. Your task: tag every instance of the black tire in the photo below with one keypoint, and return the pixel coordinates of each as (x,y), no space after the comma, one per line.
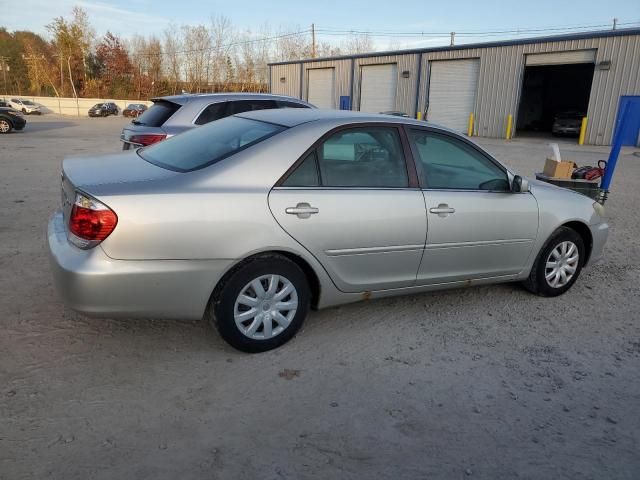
(24,111)
(537,282)
(220,311)
(6,123)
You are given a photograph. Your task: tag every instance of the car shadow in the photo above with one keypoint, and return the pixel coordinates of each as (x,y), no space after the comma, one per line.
(45,125)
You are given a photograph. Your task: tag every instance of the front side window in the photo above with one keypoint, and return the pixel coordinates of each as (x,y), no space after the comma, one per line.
(363,157)
(200,147)
(447,163)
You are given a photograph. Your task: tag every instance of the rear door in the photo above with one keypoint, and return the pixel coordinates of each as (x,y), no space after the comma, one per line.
(477,227)
(351,203)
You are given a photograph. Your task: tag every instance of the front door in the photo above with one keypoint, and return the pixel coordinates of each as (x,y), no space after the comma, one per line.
(477,227)
(349,203)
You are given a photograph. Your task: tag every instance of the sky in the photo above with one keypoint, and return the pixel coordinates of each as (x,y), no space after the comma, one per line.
(126,17)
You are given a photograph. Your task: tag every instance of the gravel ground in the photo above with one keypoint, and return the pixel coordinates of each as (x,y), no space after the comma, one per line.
(487,382)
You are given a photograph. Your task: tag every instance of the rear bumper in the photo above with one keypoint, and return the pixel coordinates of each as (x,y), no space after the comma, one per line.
(94,284)
(600,234)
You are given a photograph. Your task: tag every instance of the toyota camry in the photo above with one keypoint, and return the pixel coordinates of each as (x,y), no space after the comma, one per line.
(252,220)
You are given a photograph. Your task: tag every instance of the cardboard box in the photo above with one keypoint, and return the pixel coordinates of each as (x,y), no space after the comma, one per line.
(562,169)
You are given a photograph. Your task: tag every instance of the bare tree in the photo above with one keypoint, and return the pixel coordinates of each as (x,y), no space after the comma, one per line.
(173,56)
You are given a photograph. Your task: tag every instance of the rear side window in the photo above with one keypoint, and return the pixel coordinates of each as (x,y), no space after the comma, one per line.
(158,114)
(241,106)
(286,104)
(200,147)
(215,111)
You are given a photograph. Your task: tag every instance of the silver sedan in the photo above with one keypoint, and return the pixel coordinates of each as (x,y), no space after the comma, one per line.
(254,219)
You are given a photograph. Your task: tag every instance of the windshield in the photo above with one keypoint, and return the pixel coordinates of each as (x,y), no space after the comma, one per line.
(204,146)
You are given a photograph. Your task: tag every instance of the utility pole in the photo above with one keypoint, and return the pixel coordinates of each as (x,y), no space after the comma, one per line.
(4,66)
(615,23)
(313,40)
(453,37)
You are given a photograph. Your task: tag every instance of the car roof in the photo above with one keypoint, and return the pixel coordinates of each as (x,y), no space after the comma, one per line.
(188,97)
(291,117)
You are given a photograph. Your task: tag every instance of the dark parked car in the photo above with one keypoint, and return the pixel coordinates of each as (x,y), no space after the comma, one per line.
(567,123)
(169,116)
(103,109)
(134,110)
(11,119)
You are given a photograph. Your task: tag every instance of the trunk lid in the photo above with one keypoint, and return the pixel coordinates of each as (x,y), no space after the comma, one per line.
(106,175)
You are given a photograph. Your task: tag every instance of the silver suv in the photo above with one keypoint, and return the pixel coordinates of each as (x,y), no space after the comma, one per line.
(175,114)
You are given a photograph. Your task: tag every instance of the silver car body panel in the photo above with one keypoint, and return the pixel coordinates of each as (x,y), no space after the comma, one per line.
(179,233)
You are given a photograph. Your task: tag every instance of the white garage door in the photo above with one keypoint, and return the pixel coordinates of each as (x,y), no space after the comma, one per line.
(562,58)
(321,87)
(378,88)
(452,92)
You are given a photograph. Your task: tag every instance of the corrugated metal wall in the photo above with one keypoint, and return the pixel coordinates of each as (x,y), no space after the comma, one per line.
(499,83)
(291,84)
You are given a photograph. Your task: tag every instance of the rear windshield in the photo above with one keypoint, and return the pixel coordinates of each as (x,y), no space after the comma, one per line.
(204,146)
(157,114)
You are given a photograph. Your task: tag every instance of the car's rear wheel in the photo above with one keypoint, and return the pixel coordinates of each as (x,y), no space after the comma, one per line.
(261,304)
(558,264)
(5,126)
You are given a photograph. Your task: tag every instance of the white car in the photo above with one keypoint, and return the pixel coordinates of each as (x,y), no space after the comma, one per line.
(25,106)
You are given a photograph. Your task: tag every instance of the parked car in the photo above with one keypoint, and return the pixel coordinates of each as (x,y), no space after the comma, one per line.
(567,123)
(4,104)
(11,119)
(25,106)
(255,218)
(103,109)
(134,110)
(169,116)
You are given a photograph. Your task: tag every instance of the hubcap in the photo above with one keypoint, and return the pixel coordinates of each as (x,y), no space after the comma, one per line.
(265,307)
(562,264)
(4,126)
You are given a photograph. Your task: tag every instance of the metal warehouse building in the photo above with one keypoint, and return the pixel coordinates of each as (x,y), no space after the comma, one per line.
(531,80)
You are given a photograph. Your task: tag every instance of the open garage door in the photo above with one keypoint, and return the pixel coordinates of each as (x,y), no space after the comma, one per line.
(321,87)
(453,85)
(555,93)
(378,88)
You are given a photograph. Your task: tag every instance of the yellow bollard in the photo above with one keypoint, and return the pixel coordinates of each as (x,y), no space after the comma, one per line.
(419,115)
(583,130)
(470,128)
(509,125)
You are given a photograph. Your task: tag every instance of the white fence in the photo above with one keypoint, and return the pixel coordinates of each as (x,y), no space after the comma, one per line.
(77,107)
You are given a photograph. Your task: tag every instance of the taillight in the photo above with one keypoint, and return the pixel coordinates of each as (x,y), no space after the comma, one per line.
(90,222)
(147,138)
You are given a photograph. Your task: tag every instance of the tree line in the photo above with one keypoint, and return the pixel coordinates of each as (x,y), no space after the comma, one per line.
(214,57)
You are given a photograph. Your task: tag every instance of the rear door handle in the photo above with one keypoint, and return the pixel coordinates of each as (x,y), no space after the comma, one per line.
(302,210)
(442,210)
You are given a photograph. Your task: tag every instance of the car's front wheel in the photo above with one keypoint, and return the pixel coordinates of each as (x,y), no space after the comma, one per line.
(558,264)
(261,304)
(5,126)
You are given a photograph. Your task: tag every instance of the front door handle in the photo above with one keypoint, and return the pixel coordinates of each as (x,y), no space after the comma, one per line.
(302,210)
(443,210)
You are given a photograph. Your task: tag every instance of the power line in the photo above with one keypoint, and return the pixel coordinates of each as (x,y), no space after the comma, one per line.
(381,33)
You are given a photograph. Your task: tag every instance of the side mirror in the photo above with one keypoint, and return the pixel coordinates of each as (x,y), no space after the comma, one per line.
(519,184)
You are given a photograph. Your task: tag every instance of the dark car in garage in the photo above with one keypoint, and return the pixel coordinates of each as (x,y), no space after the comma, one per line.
(567,123)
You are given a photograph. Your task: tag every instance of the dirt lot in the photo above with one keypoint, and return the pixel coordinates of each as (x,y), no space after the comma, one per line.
(484,383)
